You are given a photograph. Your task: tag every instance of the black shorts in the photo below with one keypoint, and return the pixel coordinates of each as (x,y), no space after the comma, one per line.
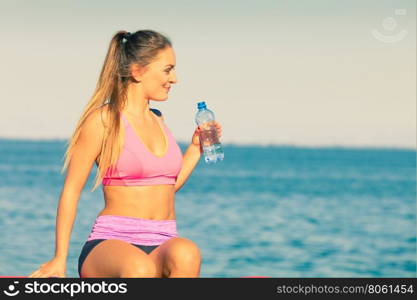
(89,245)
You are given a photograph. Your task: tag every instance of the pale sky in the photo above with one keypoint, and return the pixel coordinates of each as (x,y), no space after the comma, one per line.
(312,73)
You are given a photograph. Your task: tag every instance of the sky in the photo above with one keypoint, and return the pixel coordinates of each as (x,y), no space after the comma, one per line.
(304,73)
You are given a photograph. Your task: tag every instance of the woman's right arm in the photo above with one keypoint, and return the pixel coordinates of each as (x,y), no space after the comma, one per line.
(86,150)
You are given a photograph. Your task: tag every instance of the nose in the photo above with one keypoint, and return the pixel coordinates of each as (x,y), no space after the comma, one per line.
(173,77)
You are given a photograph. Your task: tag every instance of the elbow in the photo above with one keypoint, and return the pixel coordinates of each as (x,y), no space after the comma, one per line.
(70,192)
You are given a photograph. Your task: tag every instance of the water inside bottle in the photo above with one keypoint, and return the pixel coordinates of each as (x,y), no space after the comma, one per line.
(209,137)
(213,151)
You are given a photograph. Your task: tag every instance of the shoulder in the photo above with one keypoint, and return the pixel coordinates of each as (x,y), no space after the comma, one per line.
(96,122)
(99,116)
(158,113)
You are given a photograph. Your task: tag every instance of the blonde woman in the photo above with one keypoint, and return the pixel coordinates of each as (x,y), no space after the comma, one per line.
(140,166)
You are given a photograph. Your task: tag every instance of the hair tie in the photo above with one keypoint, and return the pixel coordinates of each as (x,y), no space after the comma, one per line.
(127,35)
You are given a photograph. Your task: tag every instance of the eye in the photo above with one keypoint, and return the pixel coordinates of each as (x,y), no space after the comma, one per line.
(167,71)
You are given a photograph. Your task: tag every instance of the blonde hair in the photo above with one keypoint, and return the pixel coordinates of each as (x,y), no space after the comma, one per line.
(124,50)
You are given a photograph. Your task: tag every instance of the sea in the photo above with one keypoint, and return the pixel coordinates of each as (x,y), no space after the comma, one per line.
(273,211)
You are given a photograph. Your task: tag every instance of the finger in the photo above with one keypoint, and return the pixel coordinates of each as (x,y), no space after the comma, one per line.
(34,274)
(43,275)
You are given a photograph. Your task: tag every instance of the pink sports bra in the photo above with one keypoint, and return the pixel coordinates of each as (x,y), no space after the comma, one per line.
(139,166)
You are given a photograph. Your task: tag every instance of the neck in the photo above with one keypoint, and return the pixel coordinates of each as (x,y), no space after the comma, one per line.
(136,103)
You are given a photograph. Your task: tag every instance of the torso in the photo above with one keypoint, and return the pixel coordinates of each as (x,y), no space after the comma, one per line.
(155,202)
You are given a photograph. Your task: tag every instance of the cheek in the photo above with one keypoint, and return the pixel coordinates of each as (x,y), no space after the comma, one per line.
(154,83)
(154,88)
(158,79)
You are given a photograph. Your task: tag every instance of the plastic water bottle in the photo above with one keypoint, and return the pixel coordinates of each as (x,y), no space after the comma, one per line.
(209,140)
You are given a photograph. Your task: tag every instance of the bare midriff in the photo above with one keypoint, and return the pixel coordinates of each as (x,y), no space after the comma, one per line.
(154,202)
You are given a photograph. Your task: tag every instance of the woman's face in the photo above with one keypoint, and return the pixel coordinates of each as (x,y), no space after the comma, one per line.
(159,75)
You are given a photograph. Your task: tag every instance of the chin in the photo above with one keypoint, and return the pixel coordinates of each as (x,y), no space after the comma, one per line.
(162,98)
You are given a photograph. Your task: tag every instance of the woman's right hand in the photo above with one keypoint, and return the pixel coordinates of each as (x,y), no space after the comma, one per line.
(56,267)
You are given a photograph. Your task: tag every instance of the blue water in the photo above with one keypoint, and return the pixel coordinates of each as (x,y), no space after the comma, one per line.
(263,211)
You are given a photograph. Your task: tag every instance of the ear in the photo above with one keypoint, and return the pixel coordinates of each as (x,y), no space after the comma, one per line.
(137,72)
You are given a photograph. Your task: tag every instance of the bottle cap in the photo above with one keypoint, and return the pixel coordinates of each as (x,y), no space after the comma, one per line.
(201,105)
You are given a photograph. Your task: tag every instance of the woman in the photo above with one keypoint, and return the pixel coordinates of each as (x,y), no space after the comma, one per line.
(139,164)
